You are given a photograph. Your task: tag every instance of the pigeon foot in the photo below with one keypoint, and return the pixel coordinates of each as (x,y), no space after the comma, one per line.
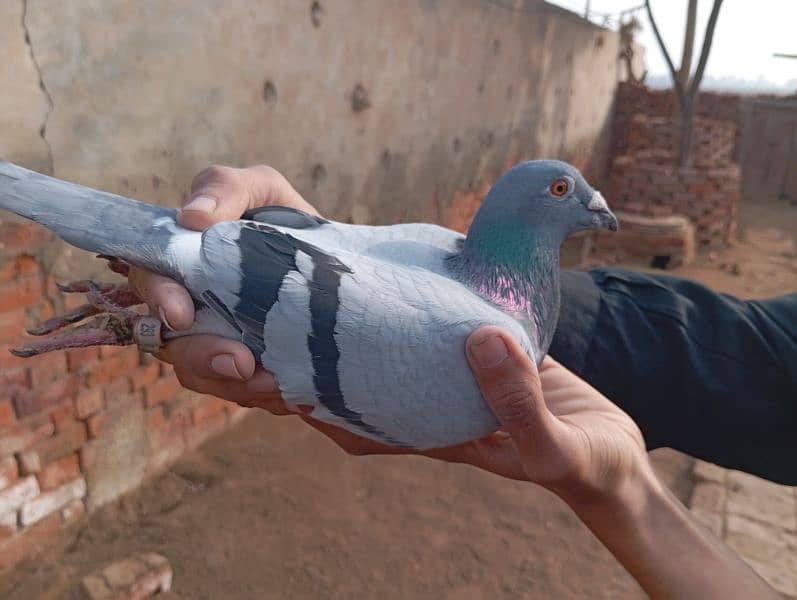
(103,330)
(102,297)
(114,324)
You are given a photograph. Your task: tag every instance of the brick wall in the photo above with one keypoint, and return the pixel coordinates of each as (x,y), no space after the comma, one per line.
(634,100)
(80,427)
(645,178)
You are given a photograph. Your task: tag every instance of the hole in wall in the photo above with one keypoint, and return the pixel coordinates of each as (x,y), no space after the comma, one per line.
(316,14)
(269,92)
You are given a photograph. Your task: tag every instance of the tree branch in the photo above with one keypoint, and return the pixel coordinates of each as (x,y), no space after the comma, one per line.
(679,90)
(689,44)
(707,39)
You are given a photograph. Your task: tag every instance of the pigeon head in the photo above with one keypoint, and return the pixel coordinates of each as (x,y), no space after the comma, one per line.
(536,204)
(511,252)
(548,197)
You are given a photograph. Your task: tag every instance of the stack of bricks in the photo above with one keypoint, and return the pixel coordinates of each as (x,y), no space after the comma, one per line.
(646,180)
(82,426)
(634,100)
(649,184)
(713,141)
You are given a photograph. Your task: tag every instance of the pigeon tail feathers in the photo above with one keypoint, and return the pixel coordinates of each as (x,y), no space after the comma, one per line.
(108,224)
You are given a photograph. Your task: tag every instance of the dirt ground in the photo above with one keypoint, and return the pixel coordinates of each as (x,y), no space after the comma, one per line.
(271,509)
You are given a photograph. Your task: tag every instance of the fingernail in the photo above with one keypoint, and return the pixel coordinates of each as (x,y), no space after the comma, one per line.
(262,382)
(489,352)
(224,365)
(202,204)
(164,320)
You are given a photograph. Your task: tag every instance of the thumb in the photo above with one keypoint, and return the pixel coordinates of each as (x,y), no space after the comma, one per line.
(220,193)
(510,383)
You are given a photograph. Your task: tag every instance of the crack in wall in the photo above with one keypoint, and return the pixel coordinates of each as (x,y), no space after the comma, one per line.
(42,86)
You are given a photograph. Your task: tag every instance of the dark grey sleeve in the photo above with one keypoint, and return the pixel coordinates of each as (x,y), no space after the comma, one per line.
(701,372)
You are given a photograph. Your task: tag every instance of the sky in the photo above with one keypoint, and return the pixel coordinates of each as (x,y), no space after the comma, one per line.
(747,35)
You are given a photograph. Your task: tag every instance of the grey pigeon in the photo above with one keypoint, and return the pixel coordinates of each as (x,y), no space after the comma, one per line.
(365,324)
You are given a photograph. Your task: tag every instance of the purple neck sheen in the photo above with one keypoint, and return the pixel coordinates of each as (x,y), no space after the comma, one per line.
(528,288)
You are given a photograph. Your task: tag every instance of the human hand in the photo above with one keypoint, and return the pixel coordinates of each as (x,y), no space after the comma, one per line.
(204,363)
(556,429)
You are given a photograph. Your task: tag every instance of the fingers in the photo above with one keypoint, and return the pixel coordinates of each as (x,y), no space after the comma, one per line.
(210,357)
(221,193)
(167,299)
(224,368)
(510,384)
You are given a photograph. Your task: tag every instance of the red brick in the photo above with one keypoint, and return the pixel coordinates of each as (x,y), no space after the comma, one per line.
(156,418)
(42,311)
(78,358)
(89,401)
(207,407)
(73,301)
(8,270)
(35,400)
(59,472)
(9,361)
(144,375)
(8,471)
(109,369)
(63,416)
(22,237)
(72,437)
(23,291)
(12,325)
(24,434)
(161,390)
(46,367)
(116,388)
(96,424)
(13,377)
(7,417)
(28,266)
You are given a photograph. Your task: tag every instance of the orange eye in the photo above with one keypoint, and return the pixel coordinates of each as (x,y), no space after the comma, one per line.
(560,187)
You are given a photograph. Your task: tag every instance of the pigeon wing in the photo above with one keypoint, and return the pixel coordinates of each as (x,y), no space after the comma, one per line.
(374,341)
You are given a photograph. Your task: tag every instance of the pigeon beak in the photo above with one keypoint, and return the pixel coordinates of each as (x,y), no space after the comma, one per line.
(604,218)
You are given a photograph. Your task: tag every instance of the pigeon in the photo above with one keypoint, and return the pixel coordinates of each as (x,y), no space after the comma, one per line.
(365,324)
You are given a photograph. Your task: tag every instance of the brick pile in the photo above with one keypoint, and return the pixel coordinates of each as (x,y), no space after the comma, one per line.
(646,180)
(713,141)
(649,184)
(60,412)
(632,100)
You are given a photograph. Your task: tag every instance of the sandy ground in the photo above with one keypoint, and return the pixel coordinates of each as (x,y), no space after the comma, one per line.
(271,509)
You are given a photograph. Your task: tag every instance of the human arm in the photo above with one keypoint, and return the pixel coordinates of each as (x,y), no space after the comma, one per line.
(575,442)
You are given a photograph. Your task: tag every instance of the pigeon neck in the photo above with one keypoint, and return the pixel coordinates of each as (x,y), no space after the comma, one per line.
(519,273)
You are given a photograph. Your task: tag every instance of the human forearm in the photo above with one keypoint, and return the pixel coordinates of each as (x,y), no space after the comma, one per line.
(663,547)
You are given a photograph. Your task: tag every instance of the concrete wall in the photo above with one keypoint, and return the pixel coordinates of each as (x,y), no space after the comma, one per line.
(138,96)
(769,149)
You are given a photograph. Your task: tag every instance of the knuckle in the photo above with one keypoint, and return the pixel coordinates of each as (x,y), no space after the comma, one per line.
(515,406)
(213,174)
